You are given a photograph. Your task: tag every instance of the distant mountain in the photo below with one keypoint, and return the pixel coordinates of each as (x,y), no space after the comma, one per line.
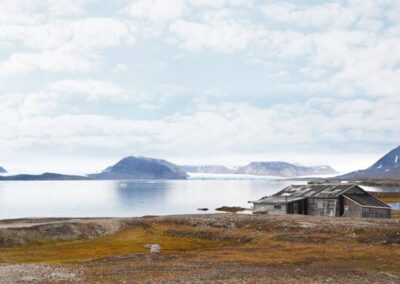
(45,176)
(208,169)
(2,170)
(387,167)
(141,168)
(283,169)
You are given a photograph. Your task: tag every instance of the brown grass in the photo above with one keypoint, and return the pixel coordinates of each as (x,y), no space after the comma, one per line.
(125,242)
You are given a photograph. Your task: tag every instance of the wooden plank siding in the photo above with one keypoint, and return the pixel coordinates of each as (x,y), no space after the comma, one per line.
(322,206)
(275,209)
(351,209)
(369,212)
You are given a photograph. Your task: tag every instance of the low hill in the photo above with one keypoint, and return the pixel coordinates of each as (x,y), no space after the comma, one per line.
(2,170)
(45,176)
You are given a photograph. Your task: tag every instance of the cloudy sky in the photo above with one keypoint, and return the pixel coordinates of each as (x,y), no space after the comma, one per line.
(84,83)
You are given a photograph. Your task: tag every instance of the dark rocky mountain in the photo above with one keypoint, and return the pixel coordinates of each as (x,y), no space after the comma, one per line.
(208,169)
(141,168)
(387,167)
(2,170)
(45,176)
(283,169)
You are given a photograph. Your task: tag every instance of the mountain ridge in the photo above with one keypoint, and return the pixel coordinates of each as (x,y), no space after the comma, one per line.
(274,168)
(387,167)
(208,169)
(284,169)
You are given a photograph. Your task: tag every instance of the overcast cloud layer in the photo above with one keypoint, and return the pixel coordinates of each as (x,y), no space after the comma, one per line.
(86,82)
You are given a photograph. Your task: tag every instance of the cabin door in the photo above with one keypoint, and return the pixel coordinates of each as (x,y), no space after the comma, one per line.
(295,208)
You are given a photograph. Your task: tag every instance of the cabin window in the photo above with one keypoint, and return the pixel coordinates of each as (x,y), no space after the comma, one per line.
(278,207)
(320,204)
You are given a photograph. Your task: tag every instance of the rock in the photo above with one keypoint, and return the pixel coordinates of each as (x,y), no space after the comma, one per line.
(233,209)
(154,248)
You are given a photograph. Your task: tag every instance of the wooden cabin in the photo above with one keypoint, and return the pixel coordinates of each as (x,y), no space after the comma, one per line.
(335,200)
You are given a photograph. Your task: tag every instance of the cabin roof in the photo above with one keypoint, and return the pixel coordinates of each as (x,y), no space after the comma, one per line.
(299,192)
(366,200)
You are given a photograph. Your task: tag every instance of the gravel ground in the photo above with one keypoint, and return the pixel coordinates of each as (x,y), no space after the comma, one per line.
(39,273)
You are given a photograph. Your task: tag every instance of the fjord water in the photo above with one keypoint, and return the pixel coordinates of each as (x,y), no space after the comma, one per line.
(19,199)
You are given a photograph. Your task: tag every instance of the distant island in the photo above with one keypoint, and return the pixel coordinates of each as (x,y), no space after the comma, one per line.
(141,168)
(128,168)
(279,169)
(2,170)
(45,176)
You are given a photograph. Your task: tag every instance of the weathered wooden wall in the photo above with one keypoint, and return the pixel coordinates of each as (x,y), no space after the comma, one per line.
(321,207)
(351,209)
(270,208)
(370,212)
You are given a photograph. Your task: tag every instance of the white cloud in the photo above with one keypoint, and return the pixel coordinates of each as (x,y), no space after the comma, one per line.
(63,46)
(156,10)
(57,60)
(221,36)
(94,90)
(328,14)
(121,67)
(85,33)
(228,127)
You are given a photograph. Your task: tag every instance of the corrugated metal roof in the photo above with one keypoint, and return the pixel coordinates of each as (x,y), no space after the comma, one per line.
(367,200)
(298,192)
(316,190)
(278,199)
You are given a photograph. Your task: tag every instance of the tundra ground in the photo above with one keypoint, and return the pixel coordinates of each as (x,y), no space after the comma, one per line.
(212,248)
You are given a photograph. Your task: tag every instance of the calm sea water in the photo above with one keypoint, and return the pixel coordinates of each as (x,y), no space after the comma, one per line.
(134,198)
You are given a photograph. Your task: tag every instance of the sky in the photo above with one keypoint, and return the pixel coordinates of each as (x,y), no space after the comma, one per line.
(84,83)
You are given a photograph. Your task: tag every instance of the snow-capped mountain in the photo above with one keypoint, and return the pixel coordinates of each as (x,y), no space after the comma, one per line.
(208,169)
(284,169)
(387,167)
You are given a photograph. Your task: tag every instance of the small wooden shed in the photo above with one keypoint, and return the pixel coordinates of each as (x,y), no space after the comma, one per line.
(336,200)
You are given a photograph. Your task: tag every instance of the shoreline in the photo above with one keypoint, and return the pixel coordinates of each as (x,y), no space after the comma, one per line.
(385,196)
